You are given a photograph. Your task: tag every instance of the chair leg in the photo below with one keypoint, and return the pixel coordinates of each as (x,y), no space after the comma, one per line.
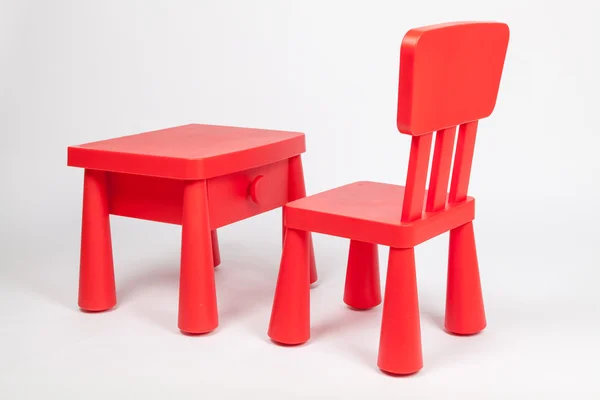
(96,276)
(214,238)
(465,314)
(290,316)
(400,344)
(197,294)
(297,190)
(313,265)
(362,290)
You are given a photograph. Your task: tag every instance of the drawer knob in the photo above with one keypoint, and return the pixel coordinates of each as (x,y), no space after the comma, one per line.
(257,189)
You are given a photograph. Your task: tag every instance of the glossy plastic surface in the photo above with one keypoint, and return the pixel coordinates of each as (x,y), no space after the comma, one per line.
(199,176)
(449,75)
(197,293)
(371,212)
(449,78)
(97,277)
(188,152)
(362,289)
(400,342)
(465,313)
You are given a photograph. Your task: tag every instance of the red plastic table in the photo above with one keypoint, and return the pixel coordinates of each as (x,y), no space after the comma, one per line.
(202,177)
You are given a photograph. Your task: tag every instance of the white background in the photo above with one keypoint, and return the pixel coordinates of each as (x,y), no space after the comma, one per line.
(77,71)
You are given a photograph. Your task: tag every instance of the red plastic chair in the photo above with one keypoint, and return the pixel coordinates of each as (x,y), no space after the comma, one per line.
(449,77)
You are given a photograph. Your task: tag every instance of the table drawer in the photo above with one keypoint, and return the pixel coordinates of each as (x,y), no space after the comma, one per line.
(243,194)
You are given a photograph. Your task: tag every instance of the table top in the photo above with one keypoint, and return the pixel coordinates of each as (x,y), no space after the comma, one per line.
(191,151)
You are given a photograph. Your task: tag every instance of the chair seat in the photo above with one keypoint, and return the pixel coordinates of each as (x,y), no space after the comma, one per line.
(371,212)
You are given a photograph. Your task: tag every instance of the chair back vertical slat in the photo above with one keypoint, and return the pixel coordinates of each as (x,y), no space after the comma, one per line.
(440,169)
(463,160)
(416,177)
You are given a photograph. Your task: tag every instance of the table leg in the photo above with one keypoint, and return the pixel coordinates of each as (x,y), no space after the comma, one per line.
(96,276)
(197,294)
(297,190)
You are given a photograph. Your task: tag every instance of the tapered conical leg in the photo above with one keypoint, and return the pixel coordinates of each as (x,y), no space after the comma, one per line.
(362,290)
(197,294)
(465,314)
(400,344)
(313,265)
(96,276)
(290,317)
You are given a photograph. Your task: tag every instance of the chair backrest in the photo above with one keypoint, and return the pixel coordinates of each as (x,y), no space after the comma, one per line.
(449,77)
